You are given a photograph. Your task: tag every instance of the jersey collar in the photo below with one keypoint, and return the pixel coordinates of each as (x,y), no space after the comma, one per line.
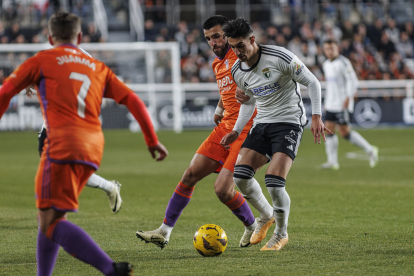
(224,54)
(254,65)
(337,57)
(68,44)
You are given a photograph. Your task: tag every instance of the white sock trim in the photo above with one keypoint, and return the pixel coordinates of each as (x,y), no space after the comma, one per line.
(96,181)
(331,148)
(251,227)
(166,230)
(281,207)
(253,193)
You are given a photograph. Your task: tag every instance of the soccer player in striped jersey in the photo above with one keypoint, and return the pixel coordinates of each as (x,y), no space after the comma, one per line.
(341,86)
(269,75)
(212,157)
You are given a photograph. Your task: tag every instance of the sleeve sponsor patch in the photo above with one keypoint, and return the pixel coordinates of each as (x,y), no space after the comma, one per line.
(298,68)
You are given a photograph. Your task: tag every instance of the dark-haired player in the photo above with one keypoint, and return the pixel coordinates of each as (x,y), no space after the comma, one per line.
(269,75)
(71,86)
(212,157)
(341,86)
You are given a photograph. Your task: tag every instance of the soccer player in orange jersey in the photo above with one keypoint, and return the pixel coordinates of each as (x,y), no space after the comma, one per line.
(71,86)
(212,157)
(112,188)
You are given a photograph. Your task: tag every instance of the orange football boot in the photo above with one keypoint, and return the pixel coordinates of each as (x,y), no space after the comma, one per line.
(276,242)
(261,230)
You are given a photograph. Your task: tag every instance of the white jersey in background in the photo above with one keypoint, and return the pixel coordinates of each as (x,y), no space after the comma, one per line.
(341,83)
(272,84)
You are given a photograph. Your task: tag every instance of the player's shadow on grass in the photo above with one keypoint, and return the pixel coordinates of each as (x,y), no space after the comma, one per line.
(157,254)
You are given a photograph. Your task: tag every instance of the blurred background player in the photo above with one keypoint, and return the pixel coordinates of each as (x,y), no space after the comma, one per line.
(212,157)
(341,86)
(269,75)
(70,86)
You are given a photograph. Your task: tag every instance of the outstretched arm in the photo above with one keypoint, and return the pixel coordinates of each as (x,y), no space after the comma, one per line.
(317,127)
(301,74)
(245,113)
(117,90)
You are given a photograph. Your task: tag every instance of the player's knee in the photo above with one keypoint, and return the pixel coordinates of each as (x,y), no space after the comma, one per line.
(48,227)
(190,177)
(224,193)
(43,227)
(242,175)
(345,134)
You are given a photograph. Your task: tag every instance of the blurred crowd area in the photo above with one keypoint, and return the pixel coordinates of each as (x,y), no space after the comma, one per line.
(25,21)
(377,41)
(382,50)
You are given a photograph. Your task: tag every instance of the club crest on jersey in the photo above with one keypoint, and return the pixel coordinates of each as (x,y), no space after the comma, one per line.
(298,68)
(266,73)
(227,64)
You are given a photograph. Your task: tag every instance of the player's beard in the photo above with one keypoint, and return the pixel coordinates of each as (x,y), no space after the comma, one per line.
(221,51)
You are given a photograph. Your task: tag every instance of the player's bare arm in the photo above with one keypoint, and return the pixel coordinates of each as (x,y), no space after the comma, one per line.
(318,129)
(160,149)
(229,138)
(218,114)
(241,97)
(245,113)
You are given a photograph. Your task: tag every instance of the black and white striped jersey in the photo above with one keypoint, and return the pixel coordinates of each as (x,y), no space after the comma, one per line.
(272,84)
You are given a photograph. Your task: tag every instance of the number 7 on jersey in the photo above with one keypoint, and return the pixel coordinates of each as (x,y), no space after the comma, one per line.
(83,92)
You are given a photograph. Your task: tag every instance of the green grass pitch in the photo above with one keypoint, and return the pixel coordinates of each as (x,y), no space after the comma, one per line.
(353,221)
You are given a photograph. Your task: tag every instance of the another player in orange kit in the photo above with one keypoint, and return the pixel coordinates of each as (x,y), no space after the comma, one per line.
(212,157)
(71,86)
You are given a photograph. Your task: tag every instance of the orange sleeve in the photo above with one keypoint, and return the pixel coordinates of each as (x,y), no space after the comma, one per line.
(115,89)
(140,112)
(27,73)
(7,92)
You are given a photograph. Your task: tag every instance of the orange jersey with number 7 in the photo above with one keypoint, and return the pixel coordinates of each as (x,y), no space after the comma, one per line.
(70,88)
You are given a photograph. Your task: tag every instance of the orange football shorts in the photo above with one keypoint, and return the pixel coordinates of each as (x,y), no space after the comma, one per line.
(58,186)
(211,148)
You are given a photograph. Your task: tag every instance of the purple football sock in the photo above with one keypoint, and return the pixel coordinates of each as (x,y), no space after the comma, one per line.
(179,200)
(239,207)
(244,214)
(46,254)
(79,244)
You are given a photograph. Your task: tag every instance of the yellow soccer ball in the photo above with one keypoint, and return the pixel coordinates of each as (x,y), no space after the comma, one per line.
(210,240)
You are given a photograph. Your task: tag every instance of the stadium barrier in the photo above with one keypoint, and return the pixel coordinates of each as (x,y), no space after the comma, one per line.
(377,103)
(177,105)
